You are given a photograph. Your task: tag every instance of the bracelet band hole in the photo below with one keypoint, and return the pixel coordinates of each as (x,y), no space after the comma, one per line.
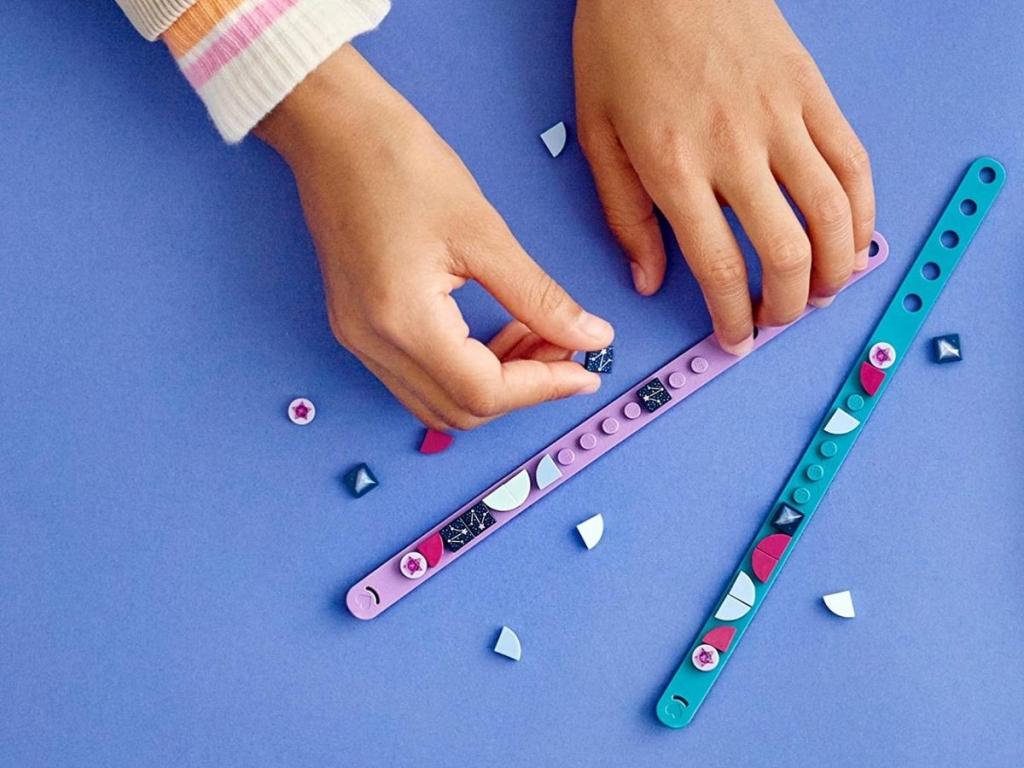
(681,700)
(968,207)
(931,271)
(873,249)
(987,175)
(949,239)
(912,302)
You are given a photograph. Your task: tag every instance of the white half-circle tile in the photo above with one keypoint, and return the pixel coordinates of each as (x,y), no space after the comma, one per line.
(591,530)
(510,494)
(508,644)
(731,609)
(841,423)
(841,604)
(743,588)
(547,472)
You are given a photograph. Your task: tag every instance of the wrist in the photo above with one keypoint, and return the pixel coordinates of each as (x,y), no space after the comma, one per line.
(337,102)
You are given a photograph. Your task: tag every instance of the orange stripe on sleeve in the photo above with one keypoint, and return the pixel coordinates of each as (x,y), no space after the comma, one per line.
(196,23)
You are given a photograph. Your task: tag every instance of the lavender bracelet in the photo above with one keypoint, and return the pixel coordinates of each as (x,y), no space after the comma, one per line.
(567,456)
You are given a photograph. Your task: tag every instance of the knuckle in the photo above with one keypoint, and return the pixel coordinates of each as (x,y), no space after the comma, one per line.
(479,401)
(724,273)
(547,296)
(830,209)
(790,256)
(801,70)
(856,161)
(726,131)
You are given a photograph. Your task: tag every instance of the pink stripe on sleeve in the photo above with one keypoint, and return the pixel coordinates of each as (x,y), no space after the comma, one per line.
(235,39)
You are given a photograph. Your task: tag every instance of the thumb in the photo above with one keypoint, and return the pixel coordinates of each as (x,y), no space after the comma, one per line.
(628,209)
(532,296)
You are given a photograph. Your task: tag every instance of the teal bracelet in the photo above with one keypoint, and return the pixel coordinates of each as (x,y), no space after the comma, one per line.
(831,443)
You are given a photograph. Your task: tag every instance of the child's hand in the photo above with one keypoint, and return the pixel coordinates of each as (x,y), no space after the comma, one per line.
(399,223)
(690,105)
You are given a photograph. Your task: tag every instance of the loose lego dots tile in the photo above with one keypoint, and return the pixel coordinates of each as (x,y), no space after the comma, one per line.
(947,348)
(456,535)
(653,395)
(871,378)
(554,138)
(508,645)
(600,361)
(360,480)
(882,355)
(478,519)
(413,565)
(431,548)
(704,657)
(841,604)
(510,494)
(588,441)
(435,442)
(731,609)
(841,423)
(591,530)
(547,472)
(720,638)
(301,411)
(787,519)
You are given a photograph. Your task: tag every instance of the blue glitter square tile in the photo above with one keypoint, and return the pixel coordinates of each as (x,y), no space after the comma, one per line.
(653,395)
(457,534)
(601,360)
(478,519)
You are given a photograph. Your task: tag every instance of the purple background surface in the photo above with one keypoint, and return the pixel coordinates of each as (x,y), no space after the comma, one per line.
(174,553)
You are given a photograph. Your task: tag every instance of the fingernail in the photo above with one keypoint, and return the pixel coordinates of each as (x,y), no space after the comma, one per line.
(739,350)
(821,301)
(595,327)
(639,278)
(860,260)
(591,386)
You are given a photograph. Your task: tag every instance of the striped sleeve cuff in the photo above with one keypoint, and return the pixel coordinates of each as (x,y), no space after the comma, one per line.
(244,56)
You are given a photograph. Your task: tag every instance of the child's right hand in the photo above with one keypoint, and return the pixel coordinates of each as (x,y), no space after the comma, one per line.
(399,223)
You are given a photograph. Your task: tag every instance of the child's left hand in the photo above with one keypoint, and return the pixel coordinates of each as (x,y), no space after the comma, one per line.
(689,105)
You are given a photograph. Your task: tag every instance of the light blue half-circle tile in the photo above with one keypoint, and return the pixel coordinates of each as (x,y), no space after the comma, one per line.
(547,472)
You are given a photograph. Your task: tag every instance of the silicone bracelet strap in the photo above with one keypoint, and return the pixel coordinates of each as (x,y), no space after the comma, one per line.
(831,443)
(567,456)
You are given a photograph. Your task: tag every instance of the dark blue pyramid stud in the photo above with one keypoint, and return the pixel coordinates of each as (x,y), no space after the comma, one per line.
(787,519)
(947,348)
(360,480)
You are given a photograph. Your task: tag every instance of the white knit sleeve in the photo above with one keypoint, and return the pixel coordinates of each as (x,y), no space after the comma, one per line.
(244,56)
